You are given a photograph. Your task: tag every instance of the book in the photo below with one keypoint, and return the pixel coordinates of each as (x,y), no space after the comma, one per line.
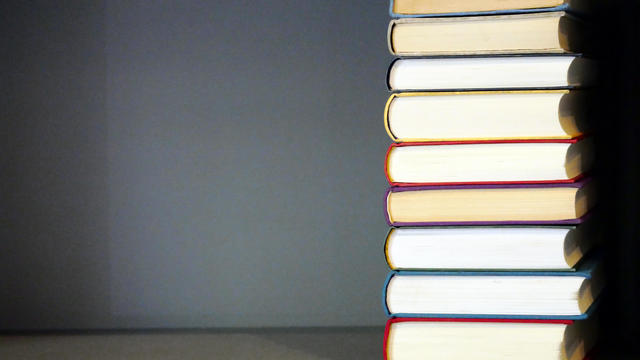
(421,8)
(551,32)
(489,204)
(489,247)
(491,72)
(494,294)
(486,115)
(482,339)
(489,162)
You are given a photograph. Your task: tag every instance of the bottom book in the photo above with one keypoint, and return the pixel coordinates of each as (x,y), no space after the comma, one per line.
(480,339)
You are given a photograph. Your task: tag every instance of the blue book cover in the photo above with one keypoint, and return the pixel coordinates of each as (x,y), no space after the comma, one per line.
(586,270)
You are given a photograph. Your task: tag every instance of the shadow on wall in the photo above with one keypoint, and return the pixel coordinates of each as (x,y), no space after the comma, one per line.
(54,259)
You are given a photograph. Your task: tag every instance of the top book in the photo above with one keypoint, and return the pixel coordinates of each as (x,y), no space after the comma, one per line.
(551,32)
(431,8)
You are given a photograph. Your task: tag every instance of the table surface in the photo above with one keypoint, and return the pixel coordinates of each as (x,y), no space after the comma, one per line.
(290,343)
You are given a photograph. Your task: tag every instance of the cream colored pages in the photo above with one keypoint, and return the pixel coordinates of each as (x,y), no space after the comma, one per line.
(477,35)
(412,7)
(484,295)
(463,247)
(477,115)
(487,72)
(474,340)
(513,204)
(479,163)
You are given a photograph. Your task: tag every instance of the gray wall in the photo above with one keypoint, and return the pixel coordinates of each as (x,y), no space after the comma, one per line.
(192,163)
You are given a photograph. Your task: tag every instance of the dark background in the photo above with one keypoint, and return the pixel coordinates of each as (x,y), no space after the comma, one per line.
(617,116)
(218,164)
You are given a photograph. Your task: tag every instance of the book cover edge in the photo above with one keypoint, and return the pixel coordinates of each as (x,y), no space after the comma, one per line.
(564,7)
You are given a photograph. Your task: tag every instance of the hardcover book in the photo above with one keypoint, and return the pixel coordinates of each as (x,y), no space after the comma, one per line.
(486,115)
(489,204)
(551,32)
(491,72)
(425,8)
(489,162)
(483,339)
(494,294)
(489,247)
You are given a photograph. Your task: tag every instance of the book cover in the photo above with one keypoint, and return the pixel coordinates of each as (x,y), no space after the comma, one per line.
(587,227)
(557,32)
(490,56)
(565,98)
(391,321)
(463,142)
(586,269)
(563,7)
(577,184)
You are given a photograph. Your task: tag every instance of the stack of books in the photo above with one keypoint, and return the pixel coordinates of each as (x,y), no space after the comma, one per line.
(492,246)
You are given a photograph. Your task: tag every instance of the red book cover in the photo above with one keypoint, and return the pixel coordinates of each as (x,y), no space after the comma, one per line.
(396,320)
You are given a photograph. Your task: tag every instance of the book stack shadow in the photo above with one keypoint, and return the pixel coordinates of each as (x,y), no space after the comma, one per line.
(493,246)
